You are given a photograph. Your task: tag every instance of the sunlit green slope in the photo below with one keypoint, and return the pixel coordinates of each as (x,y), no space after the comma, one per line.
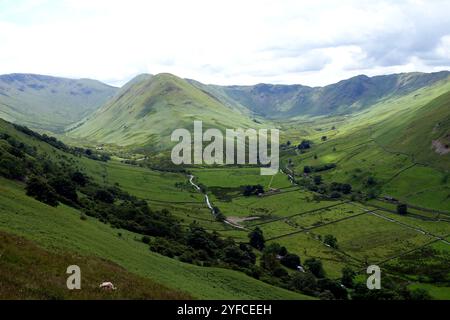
(146,111)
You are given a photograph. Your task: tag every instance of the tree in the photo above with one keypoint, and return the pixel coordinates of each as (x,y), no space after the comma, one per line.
(283,251)
(348,276)
(41,191)
(257,239)
(419,294)
(402,209)
(317,179)
(335,195)
(12,169)
(199,239)
(307,169)
(79,178)
(324,138)
(146,239)
(253,190)
(65,188)
(104,196)
(346,188)
(305,144)
(371,181)
(269,261)
(275,248)
(280,272)
(235,255)
(331,241)
(304,282)
(291,261)
(315,267)
(334,287)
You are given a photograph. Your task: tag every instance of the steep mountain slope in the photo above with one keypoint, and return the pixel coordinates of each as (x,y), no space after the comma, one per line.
(344,97)
(149,108)
(49,103)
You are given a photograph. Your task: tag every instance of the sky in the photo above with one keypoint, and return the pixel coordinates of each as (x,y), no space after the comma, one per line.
(224,41)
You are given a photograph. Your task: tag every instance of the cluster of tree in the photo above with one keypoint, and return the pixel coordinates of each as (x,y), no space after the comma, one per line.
(62,146)
(333,190)
(54,180)
(337,188)
(253,190)
(320,168)
(282,268)
(304,145)
(200,247)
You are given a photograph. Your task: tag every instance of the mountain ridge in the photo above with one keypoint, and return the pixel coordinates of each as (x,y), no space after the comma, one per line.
(285,101)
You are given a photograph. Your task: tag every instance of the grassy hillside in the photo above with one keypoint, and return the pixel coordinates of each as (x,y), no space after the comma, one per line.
(49,103)
(62,229)
(146,111)
(393,142)
(65,230)
(28,271)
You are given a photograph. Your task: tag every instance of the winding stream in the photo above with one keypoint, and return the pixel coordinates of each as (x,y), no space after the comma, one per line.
(208,203)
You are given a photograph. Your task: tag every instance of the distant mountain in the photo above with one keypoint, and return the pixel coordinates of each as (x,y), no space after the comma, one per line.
(49,103)
(147,109)
(344,97)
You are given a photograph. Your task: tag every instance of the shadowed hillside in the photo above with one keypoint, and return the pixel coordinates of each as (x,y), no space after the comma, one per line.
(49,103)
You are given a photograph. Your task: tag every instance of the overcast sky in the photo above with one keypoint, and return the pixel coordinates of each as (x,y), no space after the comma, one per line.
(224,42)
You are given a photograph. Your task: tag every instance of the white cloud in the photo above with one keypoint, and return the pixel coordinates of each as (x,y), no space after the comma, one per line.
(226,42)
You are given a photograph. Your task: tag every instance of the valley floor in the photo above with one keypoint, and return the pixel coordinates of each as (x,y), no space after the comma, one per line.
(367,233)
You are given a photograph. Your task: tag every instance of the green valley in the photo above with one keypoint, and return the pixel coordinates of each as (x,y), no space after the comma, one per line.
(363,180)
